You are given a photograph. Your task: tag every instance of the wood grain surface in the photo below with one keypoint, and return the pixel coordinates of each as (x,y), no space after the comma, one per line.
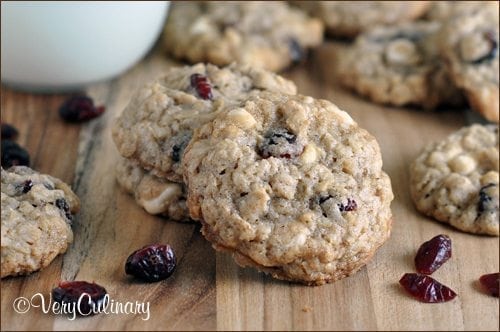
(208,290)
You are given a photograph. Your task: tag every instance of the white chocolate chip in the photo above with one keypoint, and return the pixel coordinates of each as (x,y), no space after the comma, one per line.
(402,52)
(309,155)
(242,118)
(462,164)
(158,202)
(201,26)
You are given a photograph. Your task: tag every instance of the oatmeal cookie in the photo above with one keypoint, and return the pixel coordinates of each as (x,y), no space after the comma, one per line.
(266,34)
(399,66)
(290,185)
(36,220)
(456,180)
(158,122)
(349,18)
(444,10)
(153,194)
(469,44)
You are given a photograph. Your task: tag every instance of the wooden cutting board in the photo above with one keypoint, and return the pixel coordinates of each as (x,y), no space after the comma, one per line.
(208,290)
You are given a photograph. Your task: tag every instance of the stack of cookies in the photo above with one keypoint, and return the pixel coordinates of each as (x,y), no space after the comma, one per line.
(156,126)
(287,183)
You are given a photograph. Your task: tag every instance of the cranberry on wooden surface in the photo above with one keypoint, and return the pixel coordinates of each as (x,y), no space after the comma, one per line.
(79,109)
(93,296)
(9,132)
(14,155)
(491,283)
(432,254)
(151,263)
(426,289)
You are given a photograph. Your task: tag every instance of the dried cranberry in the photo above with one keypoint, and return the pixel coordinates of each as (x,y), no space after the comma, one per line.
(491,282)
(202,86)
(62,204)
(151,263)
(13,154)
(296,51)
(492,40)
(27,185)
(9,132)
(432,254)
(93,297)
(79,109)
(280,144)
(485,200)
(351,205)
(426,289)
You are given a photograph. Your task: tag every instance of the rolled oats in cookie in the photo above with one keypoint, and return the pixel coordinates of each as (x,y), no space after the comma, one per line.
(290,185)
(157,196)
(399,66)
(350,18)
(469,44)
(456,180)
(265,34)
(36,220)
(158,122)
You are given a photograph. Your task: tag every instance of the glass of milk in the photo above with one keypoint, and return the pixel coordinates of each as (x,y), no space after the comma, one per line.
(64,45)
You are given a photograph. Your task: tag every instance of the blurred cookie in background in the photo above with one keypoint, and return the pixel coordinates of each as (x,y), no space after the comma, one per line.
(350,18)
(399,66)
(269,35)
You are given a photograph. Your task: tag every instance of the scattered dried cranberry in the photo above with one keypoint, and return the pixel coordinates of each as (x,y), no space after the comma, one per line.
(280,144)
(350,206)
(491,282)
(426,289)
(62,204)
(27,185)
(151,263)
(202,86)
(9,132)
(13,154)
(93,297)
(432,254)
(79,109)
(296,51)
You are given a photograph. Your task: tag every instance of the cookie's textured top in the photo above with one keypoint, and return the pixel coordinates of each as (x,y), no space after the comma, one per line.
(36,218)
(266,34)
(470,45)
(349,18)
(154,194)
(399,66)
(456,180)
(158,122)
(290,185)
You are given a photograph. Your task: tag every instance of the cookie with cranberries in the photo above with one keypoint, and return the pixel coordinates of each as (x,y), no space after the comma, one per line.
(469,45)
(290,185)
(157,124)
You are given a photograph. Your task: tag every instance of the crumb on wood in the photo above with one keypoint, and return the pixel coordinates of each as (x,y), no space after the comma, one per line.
(306,309)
